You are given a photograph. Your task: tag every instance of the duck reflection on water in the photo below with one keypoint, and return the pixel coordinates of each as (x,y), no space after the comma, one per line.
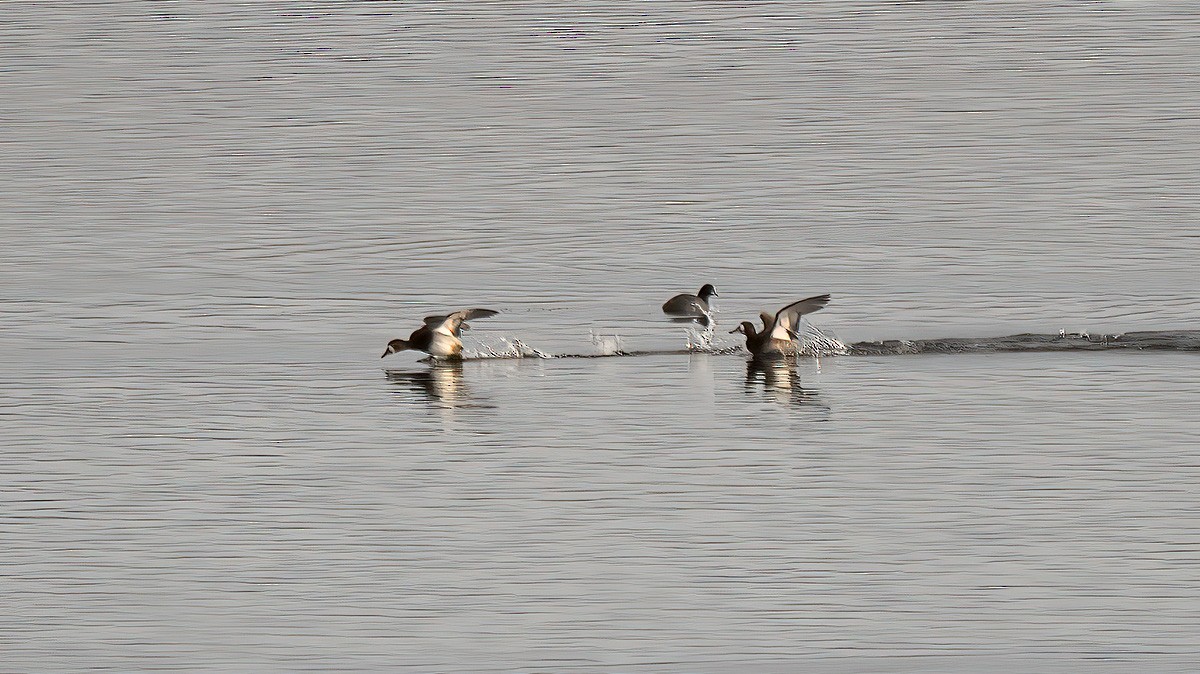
(778,379)
(442,383)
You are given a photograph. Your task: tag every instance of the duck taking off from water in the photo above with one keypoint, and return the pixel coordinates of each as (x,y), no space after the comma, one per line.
(440,336)
(692,307)
(779,330)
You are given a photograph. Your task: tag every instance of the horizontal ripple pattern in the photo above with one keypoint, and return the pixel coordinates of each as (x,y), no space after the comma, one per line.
(216,214)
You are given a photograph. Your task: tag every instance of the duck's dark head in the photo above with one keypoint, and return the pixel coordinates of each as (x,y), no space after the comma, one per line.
(707,291)
(395,346)
(745,327)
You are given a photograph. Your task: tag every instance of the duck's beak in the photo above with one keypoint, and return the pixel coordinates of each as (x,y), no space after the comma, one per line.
(387,353)
(737,329)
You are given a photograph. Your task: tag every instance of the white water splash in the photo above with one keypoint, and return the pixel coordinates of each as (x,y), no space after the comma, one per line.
(508,348)
(607,345)
(1083,334)
(815,342)
(702,340)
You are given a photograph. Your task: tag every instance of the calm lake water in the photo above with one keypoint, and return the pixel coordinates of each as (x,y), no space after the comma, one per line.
(215,215)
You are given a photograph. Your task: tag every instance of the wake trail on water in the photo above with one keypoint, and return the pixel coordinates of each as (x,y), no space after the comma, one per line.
(1153,340)
(815,342)
(607,346)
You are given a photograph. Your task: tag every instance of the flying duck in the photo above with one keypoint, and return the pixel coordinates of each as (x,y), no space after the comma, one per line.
(778,330)
(439,336)
(692,307)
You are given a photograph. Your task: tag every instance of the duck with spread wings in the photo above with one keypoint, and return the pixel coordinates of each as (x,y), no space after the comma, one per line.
(440,336)
(779,331)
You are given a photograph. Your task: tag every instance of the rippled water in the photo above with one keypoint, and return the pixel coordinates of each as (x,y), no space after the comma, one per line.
(216,214)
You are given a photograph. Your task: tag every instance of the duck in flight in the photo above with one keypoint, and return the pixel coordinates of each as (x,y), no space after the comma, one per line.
(779,330)
(440,336)
(692,307)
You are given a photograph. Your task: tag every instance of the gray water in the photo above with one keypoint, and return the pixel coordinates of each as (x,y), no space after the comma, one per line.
(216,214)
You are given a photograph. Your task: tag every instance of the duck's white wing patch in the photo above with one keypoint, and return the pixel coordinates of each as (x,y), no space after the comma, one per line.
(770,327)
(449,325)
(787,319)
(781,331)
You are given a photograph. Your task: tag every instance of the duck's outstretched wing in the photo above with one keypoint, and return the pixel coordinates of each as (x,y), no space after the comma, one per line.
(787,320)
(469,314)
(453,324)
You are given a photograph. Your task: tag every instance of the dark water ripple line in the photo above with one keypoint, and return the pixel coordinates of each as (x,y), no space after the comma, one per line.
(1165,340)
(1152,340)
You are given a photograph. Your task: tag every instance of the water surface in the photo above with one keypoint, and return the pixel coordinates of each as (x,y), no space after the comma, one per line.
(215,216)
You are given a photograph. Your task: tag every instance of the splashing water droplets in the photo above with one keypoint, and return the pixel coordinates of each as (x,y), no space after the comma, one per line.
(814,342)
(507,348)
(607,345)
(702,340)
